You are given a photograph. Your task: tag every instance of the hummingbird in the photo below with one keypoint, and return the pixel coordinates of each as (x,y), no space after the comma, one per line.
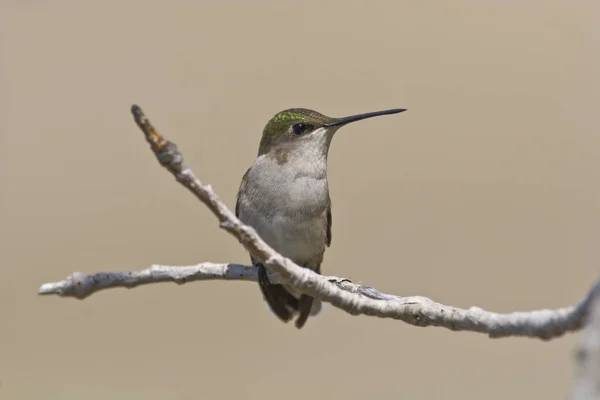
(284,196)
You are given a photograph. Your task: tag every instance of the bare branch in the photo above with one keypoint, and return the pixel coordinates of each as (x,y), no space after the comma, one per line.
(342,293)
(81,285)
(544,324)
(587,375)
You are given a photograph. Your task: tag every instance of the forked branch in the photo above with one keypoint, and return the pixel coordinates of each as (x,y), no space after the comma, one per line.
(342,293)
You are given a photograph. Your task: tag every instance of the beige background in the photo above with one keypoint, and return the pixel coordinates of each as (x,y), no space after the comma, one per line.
(486,192)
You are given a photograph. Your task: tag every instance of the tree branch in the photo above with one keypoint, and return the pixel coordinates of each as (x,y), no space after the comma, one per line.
(587,373)
(81,285)
(342,293)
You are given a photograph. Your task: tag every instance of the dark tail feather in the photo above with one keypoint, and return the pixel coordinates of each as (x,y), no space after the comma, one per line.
(304,306)
(279,299)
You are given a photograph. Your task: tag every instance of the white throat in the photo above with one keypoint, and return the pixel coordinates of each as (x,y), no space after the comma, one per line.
(309,156)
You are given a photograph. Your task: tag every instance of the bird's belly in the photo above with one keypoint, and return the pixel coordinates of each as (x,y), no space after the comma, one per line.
(301,240)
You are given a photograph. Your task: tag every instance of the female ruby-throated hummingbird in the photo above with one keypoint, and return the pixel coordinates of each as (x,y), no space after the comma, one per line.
(284,196)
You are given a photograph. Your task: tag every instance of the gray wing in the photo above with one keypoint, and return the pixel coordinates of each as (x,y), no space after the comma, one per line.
(305,303)
(237,201)
(328,242)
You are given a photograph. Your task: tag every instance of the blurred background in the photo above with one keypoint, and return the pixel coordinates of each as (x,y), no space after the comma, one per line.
(486,192)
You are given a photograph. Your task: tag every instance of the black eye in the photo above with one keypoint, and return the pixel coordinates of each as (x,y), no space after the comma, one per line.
(299,129)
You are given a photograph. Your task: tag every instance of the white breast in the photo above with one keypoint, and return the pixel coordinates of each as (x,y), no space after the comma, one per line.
(287,207)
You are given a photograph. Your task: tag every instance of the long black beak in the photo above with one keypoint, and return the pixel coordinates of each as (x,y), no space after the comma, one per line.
(358,117)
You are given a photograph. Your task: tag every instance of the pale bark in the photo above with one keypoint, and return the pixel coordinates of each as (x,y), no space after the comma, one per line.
(342,293)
